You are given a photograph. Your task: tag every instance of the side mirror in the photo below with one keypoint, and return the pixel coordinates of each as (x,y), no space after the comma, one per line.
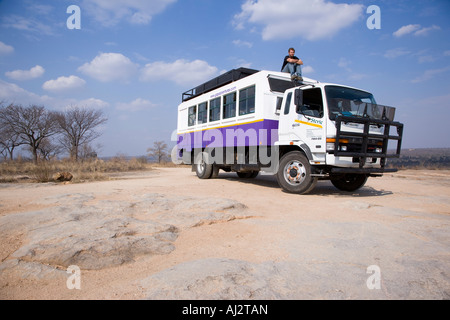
(298,100)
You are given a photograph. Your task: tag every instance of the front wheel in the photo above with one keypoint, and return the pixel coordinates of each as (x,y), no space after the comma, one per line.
(349,182)
(294,173)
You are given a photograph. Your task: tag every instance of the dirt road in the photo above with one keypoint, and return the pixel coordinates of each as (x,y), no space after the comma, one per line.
(165,234)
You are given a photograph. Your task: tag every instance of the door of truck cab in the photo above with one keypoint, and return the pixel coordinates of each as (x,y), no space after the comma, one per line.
(304,122)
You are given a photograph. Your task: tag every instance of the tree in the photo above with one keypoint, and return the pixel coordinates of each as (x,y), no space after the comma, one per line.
(32,125)
(48,150)
(9,140)
(78,128)
(159,151)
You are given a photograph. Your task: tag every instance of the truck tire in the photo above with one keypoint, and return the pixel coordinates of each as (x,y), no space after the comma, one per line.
(294,173)
(248,175)
(349,182)
(202,168)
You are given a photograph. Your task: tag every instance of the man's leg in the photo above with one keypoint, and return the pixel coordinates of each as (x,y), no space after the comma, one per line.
(298,72)
(290,68)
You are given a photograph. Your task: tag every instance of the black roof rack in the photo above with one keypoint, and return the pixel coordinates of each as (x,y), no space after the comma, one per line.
(221,80)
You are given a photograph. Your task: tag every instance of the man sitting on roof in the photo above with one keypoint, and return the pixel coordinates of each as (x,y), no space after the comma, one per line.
(292,65)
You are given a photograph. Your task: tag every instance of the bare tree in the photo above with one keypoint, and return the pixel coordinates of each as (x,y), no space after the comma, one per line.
(30,124)
(159,151)
(48,150)
(78,128)
(9,139)
(88,152)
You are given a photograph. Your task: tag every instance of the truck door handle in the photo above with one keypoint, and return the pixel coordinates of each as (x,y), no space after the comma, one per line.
(296,125)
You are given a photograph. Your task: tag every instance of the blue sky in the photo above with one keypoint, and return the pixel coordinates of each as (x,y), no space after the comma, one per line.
(133,59)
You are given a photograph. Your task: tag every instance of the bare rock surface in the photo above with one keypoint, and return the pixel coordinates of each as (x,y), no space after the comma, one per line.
(76,230)
(166,234)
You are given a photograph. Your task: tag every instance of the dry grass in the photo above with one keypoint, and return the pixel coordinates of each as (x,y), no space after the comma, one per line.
(82,171)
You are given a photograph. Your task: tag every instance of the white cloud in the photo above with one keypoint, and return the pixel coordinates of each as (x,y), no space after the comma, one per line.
(12,93)
(27,24)
(39,9)
(20,75)
(181,71)
(111,12)
(307,70)
(343,63)
(240,63)
(108,67)
(93,103)
(136,105)
(5,49)
(425,31)
(427,58)
(240,43)
(410,28)
(395,53)
(64,83)
(430,74)
(416,29)
(287,19)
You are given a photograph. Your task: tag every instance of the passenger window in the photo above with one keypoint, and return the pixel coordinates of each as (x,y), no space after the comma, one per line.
(288,103)
(192,114)
(229,105)
(202,113)
(214,110)
(247,101)
(312,103)
(279,104)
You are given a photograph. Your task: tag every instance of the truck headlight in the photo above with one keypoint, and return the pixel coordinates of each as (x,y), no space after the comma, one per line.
(330,146)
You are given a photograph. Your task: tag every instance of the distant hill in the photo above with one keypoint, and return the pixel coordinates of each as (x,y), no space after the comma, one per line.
(428,158)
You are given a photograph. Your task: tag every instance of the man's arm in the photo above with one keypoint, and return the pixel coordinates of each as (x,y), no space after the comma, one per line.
(297,61)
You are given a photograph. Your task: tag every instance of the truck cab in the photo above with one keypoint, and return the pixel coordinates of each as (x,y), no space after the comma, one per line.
(340,133)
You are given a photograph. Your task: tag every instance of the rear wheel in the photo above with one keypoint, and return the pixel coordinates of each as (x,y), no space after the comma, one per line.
(349,182)
(294,173)
(202,168)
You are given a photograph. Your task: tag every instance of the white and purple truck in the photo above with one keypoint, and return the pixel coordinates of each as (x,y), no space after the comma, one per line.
(249,121)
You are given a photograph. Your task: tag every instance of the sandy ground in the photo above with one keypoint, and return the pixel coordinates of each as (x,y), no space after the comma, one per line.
(324,245)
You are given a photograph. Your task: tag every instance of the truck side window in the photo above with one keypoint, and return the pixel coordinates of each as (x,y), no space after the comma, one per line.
(214,109)
(192,115)
(229,105)
(288,103)
(312,103)
(203,113)
(247,101)
(279,104)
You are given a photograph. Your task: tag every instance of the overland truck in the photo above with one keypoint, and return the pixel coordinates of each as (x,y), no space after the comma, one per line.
(249,121)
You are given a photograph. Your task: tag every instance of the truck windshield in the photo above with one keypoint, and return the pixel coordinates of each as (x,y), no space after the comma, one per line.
(351,102)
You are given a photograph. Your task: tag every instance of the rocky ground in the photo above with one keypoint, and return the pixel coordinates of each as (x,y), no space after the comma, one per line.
(165,234)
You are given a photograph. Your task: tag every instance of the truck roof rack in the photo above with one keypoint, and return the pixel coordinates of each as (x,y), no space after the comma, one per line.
(221,80)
